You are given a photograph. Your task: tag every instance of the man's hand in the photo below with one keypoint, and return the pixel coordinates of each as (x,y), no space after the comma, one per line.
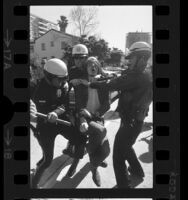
(33,111)
(52,117)
(84,127)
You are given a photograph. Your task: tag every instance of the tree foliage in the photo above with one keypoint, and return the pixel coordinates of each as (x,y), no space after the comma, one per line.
(115,57)
(84,19)
(96,47)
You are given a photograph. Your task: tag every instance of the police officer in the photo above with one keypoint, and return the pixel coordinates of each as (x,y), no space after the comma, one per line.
(79,55)
(51,98)
(135,88)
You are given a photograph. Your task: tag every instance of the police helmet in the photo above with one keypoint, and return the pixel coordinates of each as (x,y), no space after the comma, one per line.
(56,67)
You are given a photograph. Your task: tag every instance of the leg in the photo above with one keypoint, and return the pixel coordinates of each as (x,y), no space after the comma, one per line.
(120,168)
(95,175)
(98,149)
(47,145)
(77,144)
(135,166)
(79,150)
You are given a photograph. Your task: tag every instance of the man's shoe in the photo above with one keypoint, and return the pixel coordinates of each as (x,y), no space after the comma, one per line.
(104,164)
(96,177)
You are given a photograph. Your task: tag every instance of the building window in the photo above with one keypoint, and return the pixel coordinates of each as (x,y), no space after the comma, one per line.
(63,45)
(43,47)
(52,44)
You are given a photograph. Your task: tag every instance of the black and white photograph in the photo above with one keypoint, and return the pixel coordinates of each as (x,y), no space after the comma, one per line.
(94,199)
(91,97)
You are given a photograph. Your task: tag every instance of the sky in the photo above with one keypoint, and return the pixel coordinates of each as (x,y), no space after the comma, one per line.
(114,21)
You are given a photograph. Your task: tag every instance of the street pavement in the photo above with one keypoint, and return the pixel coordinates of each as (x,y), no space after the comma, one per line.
(55,175)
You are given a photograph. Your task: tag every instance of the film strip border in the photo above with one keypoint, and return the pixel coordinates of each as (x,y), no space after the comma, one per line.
(16,102)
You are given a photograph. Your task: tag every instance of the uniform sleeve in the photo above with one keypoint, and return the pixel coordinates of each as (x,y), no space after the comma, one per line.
(125,82)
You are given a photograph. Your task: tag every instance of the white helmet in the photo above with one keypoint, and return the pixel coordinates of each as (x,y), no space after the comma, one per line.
(139,47)
(56,67)
(80,50)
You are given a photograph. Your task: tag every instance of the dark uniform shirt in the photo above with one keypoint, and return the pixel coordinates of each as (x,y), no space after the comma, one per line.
(136,93)
(75,73)
(48,98)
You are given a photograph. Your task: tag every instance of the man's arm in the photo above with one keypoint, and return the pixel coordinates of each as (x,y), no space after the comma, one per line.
(124,82)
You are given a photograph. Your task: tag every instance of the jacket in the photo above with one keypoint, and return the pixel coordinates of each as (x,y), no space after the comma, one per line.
(81,96)
(135,93)
(48,98)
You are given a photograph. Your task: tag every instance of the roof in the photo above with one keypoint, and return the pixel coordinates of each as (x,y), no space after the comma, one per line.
(58,32)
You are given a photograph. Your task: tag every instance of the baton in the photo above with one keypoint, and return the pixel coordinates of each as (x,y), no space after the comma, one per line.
(59,121)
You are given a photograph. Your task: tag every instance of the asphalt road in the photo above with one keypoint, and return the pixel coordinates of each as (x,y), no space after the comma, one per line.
(54,176)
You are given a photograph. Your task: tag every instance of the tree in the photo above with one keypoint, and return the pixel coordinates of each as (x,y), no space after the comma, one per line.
(116,56)
(96,47)
(84,19)
(63,22)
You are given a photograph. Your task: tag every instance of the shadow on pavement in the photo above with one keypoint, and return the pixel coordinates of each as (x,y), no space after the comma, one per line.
(148,156)
(134,181)
(53,171)
(73,182)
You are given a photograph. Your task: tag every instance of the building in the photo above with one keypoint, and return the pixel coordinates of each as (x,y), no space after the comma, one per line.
(138,36)
(39,26)
(52,44)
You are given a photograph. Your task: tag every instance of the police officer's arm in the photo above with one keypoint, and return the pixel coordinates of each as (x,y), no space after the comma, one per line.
(124,82)
(60,110)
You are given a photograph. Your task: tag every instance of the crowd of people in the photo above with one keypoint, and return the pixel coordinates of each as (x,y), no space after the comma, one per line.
(87,133)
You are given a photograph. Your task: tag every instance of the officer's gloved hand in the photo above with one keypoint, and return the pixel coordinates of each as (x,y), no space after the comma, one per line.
(84,127)
(52,117)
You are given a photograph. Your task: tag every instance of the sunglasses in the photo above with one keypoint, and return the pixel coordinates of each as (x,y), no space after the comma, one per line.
(62,78)
(79,58)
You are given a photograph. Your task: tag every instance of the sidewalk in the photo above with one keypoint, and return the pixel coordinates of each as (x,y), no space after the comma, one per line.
(54,176)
